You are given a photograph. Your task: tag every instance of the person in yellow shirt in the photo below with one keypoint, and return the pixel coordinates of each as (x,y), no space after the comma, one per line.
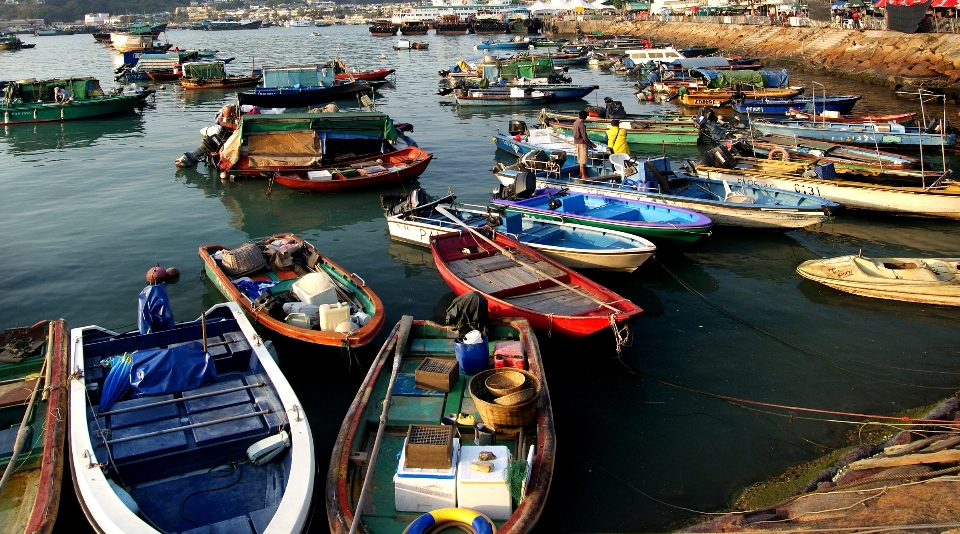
(617,138)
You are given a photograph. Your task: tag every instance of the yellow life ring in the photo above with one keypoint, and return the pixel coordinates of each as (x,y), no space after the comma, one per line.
(784,155)
(473,520)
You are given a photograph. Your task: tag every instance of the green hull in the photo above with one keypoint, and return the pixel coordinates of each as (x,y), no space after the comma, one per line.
(681,134)
(78,109)
(659,235)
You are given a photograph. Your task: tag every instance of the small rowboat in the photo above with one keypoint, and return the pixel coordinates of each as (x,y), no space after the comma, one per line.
(227,82)
(365,75)
(859,133)
(217,442)
(484,98)
(33,369)
(163,75)
(643,132)
(305,258)
(780,106)
(392,168)
(662,224)
(533,444)
(518,281)
(544,139)
(573,245)
(723,97)
(905,119)
(925,280)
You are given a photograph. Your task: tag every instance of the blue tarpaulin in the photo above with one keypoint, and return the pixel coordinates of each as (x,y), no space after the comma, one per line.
(154,313)
(162,371)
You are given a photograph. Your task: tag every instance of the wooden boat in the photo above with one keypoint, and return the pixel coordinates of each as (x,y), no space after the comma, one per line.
(662,224)
(518,281)
(163,75)
(781,106)
(128,42)
(219,457)
(866,133)
(529,97)
(560,91)
(838,153)
(535,442)
(414,27)
(925,280)
(33,101)
(569,59)
(384,28)
(739,204)
(572,245)
(513,44)
(368,75)
(647,132)
(488,24)
(212,75)
(450,25)
(349,288)
(544,139)
(33,377)
(905,119)
(300,97)
(723,97)
(245,24)
(698,51)
(381,170)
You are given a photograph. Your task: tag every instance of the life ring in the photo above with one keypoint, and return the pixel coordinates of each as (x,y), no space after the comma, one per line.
(464,2)
(784,155)
(475,521)
(200,81)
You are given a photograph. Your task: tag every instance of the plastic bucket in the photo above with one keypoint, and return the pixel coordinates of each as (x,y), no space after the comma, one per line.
(472,358)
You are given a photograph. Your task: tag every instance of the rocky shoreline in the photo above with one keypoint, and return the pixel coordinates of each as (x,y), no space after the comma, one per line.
(897,60)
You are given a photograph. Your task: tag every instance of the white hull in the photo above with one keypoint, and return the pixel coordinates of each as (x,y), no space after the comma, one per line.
(419,233)
(929,281)
(899,200)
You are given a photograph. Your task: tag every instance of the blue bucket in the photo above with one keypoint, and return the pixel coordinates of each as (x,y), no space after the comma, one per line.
(473,357)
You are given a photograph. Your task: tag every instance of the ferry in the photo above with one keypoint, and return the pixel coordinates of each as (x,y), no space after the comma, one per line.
(462,9)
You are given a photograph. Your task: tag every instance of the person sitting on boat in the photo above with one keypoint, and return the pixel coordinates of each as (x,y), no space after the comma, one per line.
(614,108)
(617,138)
(227,118)
(61,96)
(581,142)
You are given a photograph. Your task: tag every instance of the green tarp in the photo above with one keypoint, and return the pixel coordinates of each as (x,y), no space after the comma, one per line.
(361,124)
(43,90)
(204,69)
(536,67)
(727,78)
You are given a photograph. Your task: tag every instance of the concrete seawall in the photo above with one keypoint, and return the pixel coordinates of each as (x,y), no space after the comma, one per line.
(893,59)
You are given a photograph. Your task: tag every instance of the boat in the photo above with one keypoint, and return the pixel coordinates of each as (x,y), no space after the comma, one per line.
(404,44)
(300,23)
(889,134)
(518,281)
(658,222)
(379,170)
(653,180)
(450,25)
(782,106)
(315,34)
(33,369)
(523,436)
(129,42)
(488,24)
(102,38)
(31,100)
(517,43)
(213,75)
(572,245)
(414,27)
(48,32)
(384,28)
(698,51)
(906,119)
(560,91)
(724,97)
(246,24)
(297,86)
(142,28)
(367,75)
(640,132)
(518,96)
(923,280)
(544,139)
(308,274)
(570,59)
(179,452)
(10,41)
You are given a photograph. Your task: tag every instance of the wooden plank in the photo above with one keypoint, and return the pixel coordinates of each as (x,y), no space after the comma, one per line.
(462,268)
(560,302)
(942,444)
(900,450)
(945,457)
(493,263)
(481,284)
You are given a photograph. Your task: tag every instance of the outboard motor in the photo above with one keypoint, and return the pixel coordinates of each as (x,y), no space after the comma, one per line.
(397,204)
(719,157)
(208,144)
(558,157)
(531,159)
(524,185)
(516,127)
(933,126)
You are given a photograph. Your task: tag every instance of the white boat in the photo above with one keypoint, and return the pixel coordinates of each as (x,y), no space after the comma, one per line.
(573,245)
(234,455)
(925,280)
(300,23)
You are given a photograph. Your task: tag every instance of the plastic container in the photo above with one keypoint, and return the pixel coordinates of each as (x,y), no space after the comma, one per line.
(486,493)
(299,319)
(315,288)
(332,315)
(319,176)
(472,358)
(310,310)
(509,354)
(424,490)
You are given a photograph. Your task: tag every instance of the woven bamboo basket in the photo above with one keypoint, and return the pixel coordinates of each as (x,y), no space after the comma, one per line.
(498,416)
(504,382)
(242,260)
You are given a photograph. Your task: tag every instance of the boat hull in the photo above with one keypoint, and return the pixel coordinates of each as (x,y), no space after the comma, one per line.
(409,164)
(230,82)
(934,281)
(299,98)
(840,104)
(501,100)
(77,109)
(868,134)
(681,134)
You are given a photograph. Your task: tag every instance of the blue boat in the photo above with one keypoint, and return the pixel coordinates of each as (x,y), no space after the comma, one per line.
(205,435)
(516,44)
(890,134)
(301,86)
(544,139)
(561,91)
(780,106)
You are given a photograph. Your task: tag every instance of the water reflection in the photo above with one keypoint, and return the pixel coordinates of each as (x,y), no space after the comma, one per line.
(416,261)
(23,139)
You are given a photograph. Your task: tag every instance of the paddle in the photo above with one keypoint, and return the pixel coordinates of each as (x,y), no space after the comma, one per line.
(508,254)
(406,322)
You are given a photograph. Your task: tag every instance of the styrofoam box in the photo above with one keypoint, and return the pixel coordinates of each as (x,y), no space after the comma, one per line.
(319,175)
(516,92)
(540,135)
(315,288)
(424,490)
(486,493)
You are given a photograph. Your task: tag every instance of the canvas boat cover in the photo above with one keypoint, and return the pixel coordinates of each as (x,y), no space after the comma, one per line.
(204,69)
(759,78)
(299,75)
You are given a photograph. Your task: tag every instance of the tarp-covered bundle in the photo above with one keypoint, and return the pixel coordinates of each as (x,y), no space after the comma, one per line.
(162,371)
(299,75)
(526,67)
(154,313)
(758,78)
(30,90)
(204,69)
(468,312)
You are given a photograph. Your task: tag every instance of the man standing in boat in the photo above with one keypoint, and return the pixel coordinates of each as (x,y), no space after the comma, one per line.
(617,138)
(581,142)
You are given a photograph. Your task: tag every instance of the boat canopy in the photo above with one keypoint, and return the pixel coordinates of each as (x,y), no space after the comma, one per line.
(204,69)
(524,67)
(299,75)
(759,78)
(30,90)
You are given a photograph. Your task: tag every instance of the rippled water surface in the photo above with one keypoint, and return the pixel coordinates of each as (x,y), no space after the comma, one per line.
(87,207)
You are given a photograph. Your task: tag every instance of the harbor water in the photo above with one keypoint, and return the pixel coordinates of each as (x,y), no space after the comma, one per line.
(87,207)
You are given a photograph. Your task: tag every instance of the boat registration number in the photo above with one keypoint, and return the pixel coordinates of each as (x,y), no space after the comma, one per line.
(753,109)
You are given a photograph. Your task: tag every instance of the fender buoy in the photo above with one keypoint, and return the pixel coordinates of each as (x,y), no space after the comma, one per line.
(200,81)
(475,521)
(778,151)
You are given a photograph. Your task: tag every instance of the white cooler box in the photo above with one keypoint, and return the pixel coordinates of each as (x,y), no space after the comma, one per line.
(425,490)
(486,493)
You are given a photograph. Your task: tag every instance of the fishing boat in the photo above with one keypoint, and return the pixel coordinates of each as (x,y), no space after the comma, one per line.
(128,42)
(518,281)
(570,59)
(33,378)
(522,438)
(653,180)
(342,72)
(572,245)
(384,28)
(521,141)
(517,43)
(924,280)
(782,106)
(724,97)
(32,100)
(213,75)
(889,134)
(450,24)
(636,132)
(518,96)
(560,91)
(381,170)
(414,27)
(698,51)
(660,223)
(10,42)
(488,24)
(218,444)
(245,24)
(297,86)
(906,119)
(243,275)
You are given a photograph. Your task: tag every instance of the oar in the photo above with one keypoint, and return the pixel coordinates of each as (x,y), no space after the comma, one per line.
(508,254)
(406,322)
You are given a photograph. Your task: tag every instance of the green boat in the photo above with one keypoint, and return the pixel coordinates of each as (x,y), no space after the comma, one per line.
(639,132)
(33,408)
(411,386)
(32,100)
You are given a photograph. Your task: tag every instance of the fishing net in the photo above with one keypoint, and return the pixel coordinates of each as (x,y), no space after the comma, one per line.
(515,475)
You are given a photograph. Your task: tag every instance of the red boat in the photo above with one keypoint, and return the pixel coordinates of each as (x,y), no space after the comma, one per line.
(391,168)
(905,119)
(376,74)
(518,281)
(164,75)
